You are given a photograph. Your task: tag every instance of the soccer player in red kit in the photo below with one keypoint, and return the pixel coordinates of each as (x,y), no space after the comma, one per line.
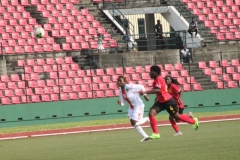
(174,89)
(164,101)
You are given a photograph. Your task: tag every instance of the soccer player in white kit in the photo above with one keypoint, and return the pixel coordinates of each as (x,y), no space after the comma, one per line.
(130,93)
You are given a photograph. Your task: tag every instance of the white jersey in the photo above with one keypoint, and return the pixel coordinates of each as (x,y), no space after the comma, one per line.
(130,94)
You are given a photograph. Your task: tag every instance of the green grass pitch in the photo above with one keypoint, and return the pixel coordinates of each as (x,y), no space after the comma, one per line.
(213,141)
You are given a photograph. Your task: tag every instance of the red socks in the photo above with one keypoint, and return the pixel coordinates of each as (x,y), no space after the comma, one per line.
(153,123)
(174,125)
(186,118)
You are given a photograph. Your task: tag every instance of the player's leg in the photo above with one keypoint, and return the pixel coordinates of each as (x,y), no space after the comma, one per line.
(155,109)
(175,127)
(135,118)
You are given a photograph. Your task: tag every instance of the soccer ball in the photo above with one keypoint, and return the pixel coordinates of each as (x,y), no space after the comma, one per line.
(39,32)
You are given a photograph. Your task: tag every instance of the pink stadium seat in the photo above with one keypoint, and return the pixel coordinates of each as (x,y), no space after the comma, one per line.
(66,47)
(90,94)
(142,82)
(225,77)
(64,96)
(25,3)
(77,80)
(45,98)
(210,4)
(100,72)
(18,92)
(218,70)
(150,82)
(15,78)
(191,80)
(73,96)
(16,100)
(75,88)
(110,71)
(41,41)
(109,93)
(168,67)
(53,75)
(47,68)
(164,74)
(197,87)
(178,66)
(66,89)
(181,80)
(32,84)
(90,72)
(135,77)
(85,87)
(186,87)
(37,48)
(184,73)
(227,22)
(41,83)
(129,70)
(56,89)
(112,86)
(100,94)
(30,62)
(54,97)
(213,64)
(25,77)
(9,50)
(18,49)
(106,79)
(81,73)
(208,71)
(212,17)
(75,46)
(50,82)
(235,62)
(232,84)
(69,6)
(174,74)
(57,26)
(74,66)
(138,69)
(4,78)
(78,39)
(31,41)
(145,76)
(119,70)
(215,10)
(38,91)
(230,70)
(82,95)
(19,29)
(87,80)
(3,86)
(235,76)
(11,85)
(202,65)
(21,84)
(113,43)
(69,39)
(214,78)
(8,93)
(114,78)
(96,79)
(5,100)
(103,86)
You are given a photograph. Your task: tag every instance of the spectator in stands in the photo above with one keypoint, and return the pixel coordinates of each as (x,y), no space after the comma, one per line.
(193,28)
(129,40)
(100,45)
(185,54)
(159,37)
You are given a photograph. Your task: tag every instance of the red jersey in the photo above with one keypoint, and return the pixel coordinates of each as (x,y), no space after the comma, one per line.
(175,91)
(163,96)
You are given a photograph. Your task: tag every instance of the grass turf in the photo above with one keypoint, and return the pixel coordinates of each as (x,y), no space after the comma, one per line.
(100,122)
(218,140)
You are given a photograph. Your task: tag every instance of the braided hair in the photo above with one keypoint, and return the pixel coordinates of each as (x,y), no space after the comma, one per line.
(174,81)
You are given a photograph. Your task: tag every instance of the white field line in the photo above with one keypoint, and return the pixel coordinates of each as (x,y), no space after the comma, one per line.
(110,129)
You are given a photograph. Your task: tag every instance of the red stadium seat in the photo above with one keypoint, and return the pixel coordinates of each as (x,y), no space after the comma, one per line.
(138,69)
(225,77)
(218,70)
(87,80)
(235,62)
(8,93)
(184,73)
(235,76)
(174,74)
(3,86)
(186,87)
(47,90)
(15,78)
(115,77)
(21,84)
(119,71)
(110,71)
(213,64)
(5,100)
(129,70)
(4,78)
(135,77)
(230,70)
(96,79)
(85,87)
(64,96)
(224,63)
(73,96)
(109,93)
(106,79)
(54,97)
(16,100)
(181,80)
(100,94)
(178,66)
(232,84)
(82,95)
(112,86)
(191,80)
(197,87)
(208,71)
(145,76)
(11,85)
(81,73)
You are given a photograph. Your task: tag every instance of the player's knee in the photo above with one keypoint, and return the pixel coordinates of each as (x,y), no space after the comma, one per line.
(133,123)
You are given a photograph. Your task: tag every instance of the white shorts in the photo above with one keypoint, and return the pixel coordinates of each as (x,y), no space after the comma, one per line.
(136,113)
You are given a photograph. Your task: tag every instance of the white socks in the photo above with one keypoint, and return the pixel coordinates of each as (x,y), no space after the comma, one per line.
(143,120)
(140,131)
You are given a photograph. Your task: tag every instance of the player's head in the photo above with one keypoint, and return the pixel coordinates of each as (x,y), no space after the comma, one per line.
(158,21)
(155,71)
(169,80)
(121,81)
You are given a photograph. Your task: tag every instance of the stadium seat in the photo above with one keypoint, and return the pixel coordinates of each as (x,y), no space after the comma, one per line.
(208,71)
(235,76)
(54,97)
(232,84)
(90,72)
(213,64)
(82,95)
(202,65)
(56,89)
(145,76)
(135,77)
(214,78)
(181,80)
(186,87)
(72,74)
(65,67)
(191,80)
(69,81)
(100,94)
(225,77)
(178,66)
(11,85)
(21,84)
(96,79)
(109,93)
(224,63)
(100,72)
(73,96)
(230,70)
(174,74)
(218,71)
(142,82)
(119,71)
(75,88)
(5,100)
(66,89)
(47,90)
(3,86)
(110,71)
(184,73)
(129,70)
(85,87)
(138,69)
(15,78)
(81,73)
(64,96)
(112,86)
(38,91)
(8,93)
(197,87)
(106,79)
(150,82)
(4,78)
(235,62)
(102,86)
